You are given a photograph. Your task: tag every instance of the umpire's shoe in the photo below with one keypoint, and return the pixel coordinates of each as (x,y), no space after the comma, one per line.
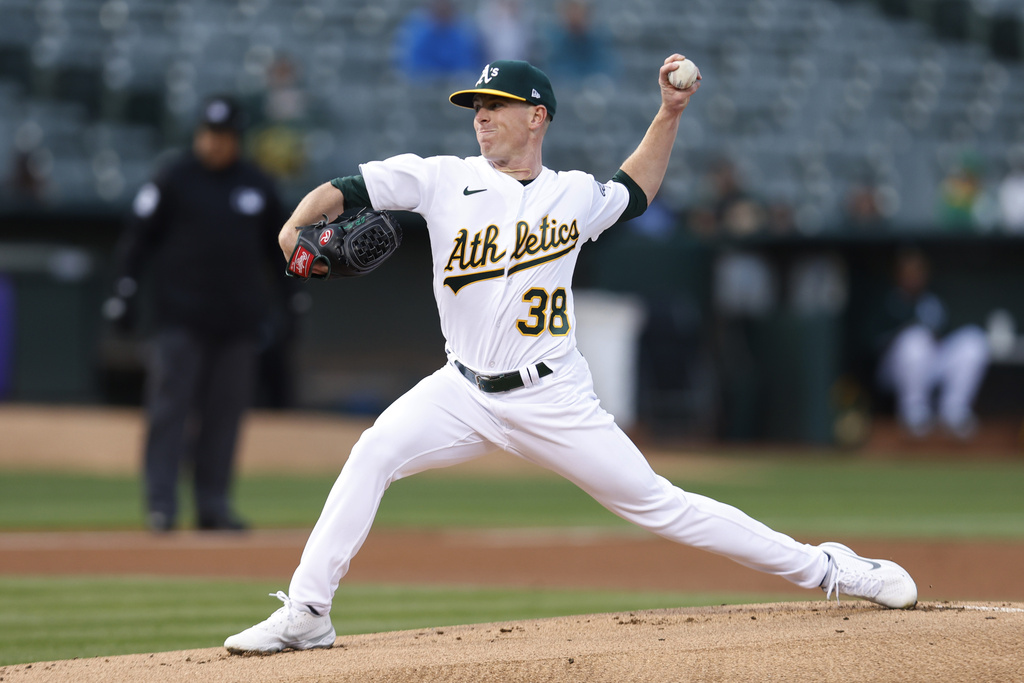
(226,523)
(880,581)
(289,627)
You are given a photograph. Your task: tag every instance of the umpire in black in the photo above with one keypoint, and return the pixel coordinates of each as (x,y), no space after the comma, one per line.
(202,214)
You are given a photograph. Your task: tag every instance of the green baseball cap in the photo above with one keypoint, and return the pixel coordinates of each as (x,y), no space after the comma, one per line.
(510,78)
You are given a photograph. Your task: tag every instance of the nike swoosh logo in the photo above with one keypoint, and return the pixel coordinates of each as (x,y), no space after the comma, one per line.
(468,191)
(874,565)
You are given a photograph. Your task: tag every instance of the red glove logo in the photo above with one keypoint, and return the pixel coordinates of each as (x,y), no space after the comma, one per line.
(301,262)
(326,236)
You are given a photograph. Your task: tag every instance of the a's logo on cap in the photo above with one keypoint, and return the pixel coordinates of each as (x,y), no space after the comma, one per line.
(487,75)
(218,111)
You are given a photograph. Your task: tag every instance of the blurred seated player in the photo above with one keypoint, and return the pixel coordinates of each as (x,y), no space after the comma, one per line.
(918,359)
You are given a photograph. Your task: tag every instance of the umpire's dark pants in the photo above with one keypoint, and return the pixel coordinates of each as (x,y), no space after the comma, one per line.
(198,390)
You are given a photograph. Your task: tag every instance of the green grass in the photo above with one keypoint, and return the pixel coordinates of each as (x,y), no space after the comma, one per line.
(56,618)
(49,619)
(820,496)
(895,499)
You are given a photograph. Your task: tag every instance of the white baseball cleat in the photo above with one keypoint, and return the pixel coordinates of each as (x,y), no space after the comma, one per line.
(880,581)
(288,627)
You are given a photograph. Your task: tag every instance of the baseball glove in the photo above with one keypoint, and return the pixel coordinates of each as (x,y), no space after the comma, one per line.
(349,247)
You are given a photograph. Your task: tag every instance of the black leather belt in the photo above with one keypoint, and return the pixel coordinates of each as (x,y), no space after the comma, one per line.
(493,384)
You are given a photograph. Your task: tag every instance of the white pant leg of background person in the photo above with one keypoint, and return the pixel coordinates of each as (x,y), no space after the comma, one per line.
(908,369)
(560,425)
(435,424)
(961,362)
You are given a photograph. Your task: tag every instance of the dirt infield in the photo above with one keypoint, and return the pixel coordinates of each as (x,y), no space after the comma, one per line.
(787,641)
(549,558)
(963,630)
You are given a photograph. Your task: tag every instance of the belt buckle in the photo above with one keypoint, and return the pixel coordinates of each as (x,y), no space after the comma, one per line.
(481,379)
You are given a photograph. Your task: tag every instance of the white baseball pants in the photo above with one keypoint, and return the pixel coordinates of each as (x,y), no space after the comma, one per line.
(916,364)
(558,424)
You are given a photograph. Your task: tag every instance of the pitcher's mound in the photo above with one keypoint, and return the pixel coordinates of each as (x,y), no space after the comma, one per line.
(854,641)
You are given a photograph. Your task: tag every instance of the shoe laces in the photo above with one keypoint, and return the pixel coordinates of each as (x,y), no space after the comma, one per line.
(853,583)
(285,613)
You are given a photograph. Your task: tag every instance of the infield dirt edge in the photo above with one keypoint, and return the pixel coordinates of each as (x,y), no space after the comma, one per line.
(791,641)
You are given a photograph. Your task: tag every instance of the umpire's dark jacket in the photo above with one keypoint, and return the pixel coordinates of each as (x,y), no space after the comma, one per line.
(206,239)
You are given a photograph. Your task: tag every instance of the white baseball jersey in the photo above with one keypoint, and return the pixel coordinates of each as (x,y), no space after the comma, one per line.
(503,253)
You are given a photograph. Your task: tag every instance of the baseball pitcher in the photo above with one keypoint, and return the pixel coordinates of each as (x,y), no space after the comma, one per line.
(505,234)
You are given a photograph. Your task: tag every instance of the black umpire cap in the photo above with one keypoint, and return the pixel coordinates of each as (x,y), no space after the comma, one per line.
(221,113)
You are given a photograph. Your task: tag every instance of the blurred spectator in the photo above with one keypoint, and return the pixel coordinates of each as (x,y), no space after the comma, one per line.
(728,209)
(437,42)
(745,284)
(862,208)
(780,218)
(917,359)
(27,183)
(1011,195)
(278,145)
(277,140)
(577,47)
(963,203)
(27,179)
(507,29)
(202,214)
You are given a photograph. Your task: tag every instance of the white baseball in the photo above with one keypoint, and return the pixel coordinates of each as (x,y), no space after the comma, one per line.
(684,76)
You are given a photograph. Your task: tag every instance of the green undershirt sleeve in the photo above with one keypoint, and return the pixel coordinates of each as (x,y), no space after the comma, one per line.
(354,189)
(637,197)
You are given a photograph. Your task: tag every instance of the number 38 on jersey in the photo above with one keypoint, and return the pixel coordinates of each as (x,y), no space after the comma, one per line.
(547,312)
